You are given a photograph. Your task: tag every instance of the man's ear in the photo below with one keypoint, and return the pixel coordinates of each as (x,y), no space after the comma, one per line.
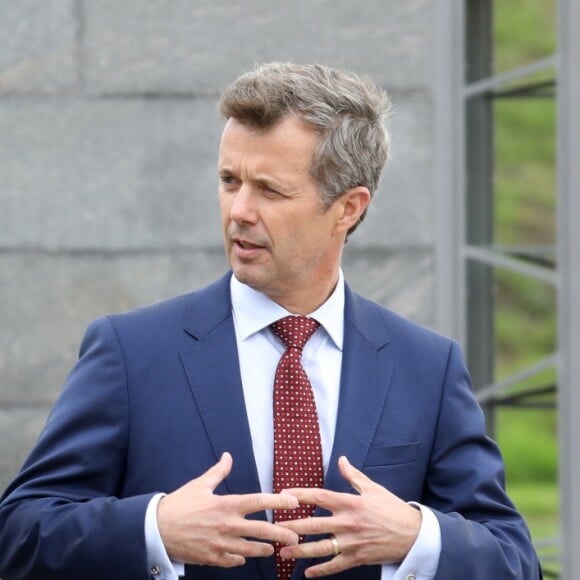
(352,204)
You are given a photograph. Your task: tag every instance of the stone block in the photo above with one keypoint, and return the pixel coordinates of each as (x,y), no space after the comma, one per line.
(142,174)
(183,46)
(401,214)
(48,300)
(39,46)
(109,174)
(402,281)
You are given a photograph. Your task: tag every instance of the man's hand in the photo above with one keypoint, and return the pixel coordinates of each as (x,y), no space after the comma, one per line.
(198,527)
(375,527)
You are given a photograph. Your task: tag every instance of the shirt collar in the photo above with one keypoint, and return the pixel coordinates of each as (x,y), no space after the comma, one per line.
(254,311)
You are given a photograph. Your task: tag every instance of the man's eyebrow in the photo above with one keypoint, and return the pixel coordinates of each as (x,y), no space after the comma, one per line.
(260,179)
(269,180)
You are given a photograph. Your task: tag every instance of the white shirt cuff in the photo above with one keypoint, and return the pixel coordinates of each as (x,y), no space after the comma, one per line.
(160,566)
(423,557)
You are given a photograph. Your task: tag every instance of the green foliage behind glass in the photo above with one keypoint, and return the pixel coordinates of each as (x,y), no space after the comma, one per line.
(525,183)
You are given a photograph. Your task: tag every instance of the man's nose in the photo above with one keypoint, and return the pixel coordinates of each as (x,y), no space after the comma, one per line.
(244,208)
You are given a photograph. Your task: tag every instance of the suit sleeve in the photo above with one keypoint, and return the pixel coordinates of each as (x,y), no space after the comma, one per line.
(482,534)
(64,515)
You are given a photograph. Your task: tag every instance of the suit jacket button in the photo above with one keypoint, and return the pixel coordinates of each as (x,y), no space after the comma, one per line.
(155,570)
(410,577)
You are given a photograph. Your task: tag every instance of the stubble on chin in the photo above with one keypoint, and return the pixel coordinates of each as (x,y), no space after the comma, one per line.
(243,275)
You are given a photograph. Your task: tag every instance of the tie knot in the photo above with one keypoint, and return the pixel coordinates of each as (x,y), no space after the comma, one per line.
(294,331)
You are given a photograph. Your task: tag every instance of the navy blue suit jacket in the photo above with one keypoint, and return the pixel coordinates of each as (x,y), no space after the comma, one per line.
(156,398)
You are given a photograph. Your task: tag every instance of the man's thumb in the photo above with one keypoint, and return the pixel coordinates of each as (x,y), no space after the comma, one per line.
(218,472)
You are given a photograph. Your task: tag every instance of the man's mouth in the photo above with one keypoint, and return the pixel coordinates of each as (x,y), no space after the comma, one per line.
(246,245)
(246,250)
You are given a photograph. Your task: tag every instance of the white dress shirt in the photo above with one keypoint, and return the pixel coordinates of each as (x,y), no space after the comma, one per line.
(253,314)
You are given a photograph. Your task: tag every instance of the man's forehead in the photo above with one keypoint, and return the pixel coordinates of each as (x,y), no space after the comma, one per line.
(260,129)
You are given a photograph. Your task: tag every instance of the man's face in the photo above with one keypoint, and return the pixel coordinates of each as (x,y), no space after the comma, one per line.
(279,239)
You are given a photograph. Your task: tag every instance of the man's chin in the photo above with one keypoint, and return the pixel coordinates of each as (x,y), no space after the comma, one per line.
(246,277)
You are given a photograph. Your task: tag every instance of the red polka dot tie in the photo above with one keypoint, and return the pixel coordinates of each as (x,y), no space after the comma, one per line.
(297,448)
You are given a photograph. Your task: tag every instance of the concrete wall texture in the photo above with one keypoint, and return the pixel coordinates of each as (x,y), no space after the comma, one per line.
(108,140)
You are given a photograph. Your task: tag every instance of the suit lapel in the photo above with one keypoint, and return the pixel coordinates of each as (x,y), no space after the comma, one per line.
(211,363)
(366,375)
(365,380)
(212,366)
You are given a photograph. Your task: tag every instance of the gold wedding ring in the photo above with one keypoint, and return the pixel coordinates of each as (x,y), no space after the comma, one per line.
(335,546)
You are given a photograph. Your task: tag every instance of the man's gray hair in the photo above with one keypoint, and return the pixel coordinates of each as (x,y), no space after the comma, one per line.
(347,111)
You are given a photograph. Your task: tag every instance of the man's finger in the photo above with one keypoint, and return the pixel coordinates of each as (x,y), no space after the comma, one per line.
(261,530)
(228,561)
(217,472)
(310,526)
(359,481)
(255,502)
(333,566)
(320,549)
(330,500)
(245,548)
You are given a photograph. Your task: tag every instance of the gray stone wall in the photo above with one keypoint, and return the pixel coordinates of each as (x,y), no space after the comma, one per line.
(108,141)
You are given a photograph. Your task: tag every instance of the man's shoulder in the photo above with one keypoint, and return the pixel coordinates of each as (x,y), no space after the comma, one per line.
(174,311)
(396,327)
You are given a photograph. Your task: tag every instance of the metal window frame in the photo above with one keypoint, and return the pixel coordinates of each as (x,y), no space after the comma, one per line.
(569,291)
(452,253)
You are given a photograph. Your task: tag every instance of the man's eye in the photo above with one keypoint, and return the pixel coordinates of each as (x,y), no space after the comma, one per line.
(270,191)
(227,180)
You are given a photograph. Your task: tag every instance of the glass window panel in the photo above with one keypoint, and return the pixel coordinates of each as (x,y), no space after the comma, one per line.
(525,173)
(524,32)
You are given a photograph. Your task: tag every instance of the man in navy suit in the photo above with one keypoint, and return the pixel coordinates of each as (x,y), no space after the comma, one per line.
(156,461)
